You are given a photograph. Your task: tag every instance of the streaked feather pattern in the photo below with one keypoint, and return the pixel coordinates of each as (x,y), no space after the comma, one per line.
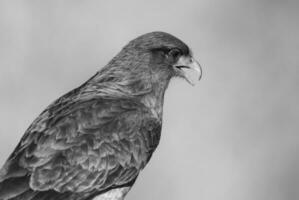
(91,145)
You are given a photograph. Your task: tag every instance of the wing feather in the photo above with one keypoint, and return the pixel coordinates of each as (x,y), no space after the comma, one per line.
(80,146)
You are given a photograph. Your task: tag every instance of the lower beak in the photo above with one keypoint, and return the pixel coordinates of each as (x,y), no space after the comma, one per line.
(189,69)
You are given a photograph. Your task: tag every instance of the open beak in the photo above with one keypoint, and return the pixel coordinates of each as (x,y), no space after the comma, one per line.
(189,69)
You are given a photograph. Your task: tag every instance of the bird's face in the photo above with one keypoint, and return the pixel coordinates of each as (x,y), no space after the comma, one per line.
(181,63)
(169,56)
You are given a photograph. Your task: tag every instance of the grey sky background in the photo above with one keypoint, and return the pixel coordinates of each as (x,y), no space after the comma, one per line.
(234,136)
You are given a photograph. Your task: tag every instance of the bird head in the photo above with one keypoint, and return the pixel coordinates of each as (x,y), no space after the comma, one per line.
(151,59)
(166,56)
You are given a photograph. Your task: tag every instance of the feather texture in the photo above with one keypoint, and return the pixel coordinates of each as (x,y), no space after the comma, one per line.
(98,137)
(84,146)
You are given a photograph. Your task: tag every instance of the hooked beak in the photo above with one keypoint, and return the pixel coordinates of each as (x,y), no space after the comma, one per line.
(188,68)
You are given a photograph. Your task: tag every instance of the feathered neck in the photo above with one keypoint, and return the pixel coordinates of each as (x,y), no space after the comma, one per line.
(126,77)
(148,91)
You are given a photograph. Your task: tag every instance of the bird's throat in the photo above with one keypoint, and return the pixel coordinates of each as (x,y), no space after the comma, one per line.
(154,100)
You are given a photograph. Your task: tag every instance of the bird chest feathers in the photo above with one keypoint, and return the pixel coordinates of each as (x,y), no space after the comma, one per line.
(154,100)
(154,106)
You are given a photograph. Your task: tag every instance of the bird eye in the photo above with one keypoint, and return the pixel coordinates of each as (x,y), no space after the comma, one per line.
(175,52)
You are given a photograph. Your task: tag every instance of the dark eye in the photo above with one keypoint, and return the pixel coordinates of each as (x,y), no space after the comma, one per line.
(175,53)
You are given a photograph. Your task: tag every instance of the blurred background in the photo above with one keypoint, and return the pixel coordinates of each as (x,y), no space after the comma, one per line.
(234,136)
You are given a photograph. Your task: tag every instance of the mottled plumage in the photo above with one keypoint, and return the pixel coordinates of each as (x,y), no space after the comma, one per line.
(94,141)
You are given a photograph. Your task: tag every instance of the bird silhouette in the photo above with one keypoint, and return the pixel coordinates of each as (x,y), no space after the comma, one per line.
(92,142)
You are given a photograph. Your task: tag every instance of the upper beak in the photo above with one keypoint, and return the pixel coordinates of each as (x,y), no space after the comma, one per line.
(188,68)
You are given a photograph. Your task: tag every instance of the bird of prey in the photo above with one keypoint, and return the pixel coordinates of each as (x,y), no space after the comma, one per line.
(92,142)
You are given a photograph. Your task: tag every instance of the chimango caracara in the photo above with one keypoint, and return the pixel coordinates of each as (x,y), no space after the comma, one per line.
(92,142)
